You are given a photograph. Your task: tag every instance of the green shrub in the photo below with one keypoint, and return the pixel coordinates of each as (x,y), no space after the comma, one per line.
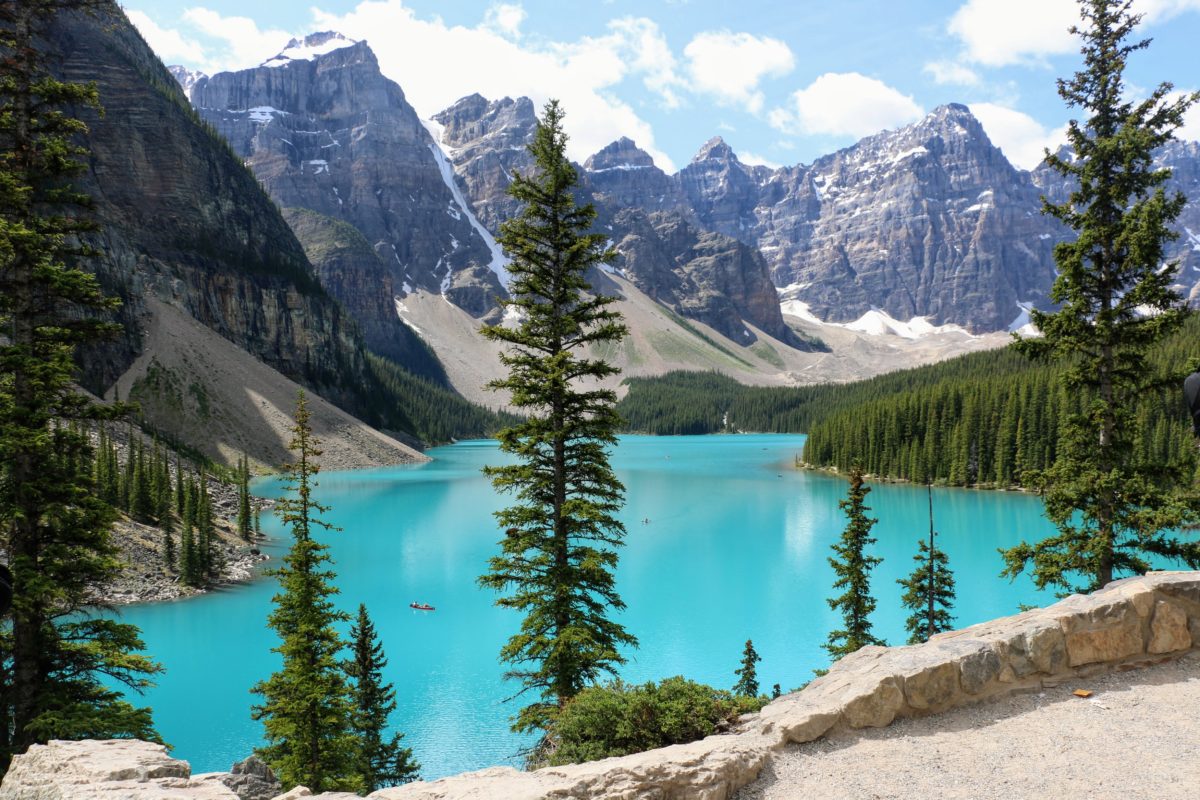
(619,718)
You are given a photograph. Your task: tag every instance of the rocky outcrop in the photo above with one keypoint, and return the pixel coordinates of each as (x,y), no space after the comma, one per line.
(1131,622)
(324,130)
(622,175)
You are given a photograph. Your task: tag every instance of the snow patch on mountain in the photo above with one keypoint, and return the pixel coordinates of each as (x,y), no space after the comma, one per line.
(499,263)
(308,48)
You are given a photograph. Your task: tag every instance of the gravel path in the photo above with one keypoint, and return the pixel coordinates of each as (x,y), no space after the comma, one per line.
(1137,737)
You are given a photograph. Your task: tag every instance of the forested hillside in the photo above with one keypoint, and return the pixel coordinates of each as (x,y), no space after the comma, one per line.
(981,419)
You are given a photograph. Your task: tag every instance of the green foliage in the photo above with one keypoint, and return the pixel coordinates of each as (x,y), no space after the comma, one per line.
(853,568)
(559,554)
(1113,509)
(747,673)
(306,707)
(618,718)
(379,761)
(929,594)
(53,520)
(428,410)
(244,521)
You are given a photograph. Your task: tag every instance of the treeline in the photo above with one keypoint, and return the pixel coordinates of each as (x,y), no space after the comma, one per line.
(429,411)
(150,486)
(985,418)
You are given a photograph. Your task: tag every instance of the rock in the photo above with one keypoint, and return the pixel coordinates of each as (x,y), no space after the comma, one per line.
(122,769)
(294,793)
(1169,629)
(1103,627)
(329,133)
(252,779)
(932,687)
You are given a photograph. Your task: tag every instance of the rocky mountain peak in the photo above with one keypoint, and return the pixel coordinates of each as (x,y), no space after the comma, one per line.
(504,123)
(308,48)
(186,78)
(715,149)
(621,154)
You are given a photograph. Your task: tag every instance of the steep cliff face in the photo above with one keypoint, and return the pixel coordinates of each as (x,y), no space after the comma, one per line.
(324,130)
(722,190)
(182,219)
(699,274)
(929,220)
(351,269)
(486,142)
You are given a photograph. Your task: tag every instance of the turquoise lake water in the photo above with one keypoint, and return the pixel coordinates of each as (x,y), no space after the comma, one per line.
(736,548)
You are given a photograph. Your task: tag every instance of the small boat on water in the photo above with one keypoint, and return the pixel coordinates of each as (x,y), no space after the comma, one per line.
(420,606)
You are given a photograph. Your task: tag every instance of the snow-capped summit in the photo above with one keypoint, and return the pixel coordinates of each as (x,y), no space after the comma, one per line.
(308,48)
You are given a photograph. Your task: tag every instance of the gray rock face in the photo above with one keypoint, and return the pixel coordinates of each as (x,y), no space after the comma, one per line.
(487,142)
(324,130)
(624,176)
(252,779)
(699,274)
(183,219)
(722,191)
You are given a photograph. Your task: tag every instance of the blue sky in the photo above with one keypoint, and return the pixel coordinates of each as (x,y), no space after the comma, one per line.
(782,82)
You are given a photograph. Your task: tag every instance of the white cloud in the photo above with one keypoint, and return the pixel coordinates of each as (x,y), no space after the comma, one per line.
(951,73)
(998,33)
(170,45)
(437,63)
(241,43)
(1022,138)
(730,66)
(505,19)
(754,159)
(845,104)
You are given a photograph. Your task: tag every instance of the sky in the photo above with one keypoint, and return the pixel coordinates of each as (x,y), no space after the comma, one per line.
(782,82)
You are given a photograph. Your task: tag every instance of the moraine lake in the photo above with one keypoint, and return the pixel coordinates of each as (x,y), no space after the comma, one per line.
(735,547)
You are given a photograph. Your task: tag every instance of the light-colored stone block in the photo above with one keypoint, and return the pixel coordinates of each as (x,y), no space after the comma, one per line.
(1169,629)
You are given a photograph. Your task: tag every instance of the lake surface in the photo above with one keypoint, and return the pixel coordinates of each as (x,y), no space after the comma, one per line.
(736,548)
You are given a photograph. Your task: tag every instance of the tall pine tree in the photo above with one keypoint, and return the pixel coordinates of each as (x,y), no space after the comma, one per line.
(61,665)
(379,760)
(306,707)
(1112,509)
(560,551)
(853,568)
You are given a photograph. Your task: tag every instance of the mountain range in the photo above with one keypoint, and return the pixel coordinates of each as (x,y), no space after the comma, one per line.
(304,212)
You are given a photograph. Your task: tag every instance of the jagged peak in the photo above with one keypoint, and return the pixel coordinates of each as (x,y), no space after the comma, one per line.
(715,148)
(621,154)
(311,46)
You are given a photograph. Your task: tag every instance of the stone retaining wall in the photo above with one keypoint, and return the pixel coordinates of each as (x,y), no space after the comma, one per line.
(1130,623)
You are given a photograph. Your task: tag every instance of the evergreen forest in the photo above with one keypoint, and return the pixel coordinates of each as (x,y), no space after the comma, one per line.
(986,419)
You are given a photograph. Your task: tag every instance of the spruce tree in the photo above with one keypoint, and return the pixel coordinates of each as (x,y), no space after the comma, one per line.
(306,708)
(929,590)
(244,521)
(853,568)
(53,523)
(1112,510)
(747,673)
(379,761)
(559,554)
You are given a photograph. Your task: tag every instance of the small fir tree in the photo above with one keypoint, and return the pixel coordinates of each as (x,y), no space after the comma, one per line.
(379,761)
(244,521)
(853,568)
(560,551)
(306,708)
(1115,300)
(747,674)
(929,591)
